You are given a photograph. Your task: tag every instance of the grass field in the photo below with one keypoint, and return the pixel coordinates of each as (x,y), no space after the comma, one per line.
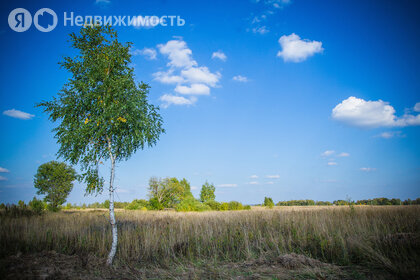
(364,242)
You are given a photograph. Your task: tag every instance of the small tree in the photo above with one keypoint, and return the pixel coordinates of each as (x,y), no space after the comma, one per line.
(104,112)
(21,204)
(187,188)
(268,202)
(207,192)
(54,180)
(167,192)
(36,205)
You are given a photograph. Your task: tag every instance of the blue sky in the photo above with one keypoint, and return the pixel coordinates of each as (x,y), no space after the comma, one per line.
(287,99)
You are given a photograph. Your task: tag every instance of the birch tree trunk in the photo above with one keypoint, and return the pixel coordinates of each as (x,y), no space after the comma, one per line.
(112,214)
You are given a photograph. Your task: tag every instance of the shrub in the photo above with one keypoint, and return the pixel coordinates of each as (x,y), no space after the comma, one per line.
(21,204)
(154,204)
(247,207)
(235,205)
(53,208)
(224,206)
(36,205)
(106,204)
(192,204)
(268,202)
(214,205)
(137,204)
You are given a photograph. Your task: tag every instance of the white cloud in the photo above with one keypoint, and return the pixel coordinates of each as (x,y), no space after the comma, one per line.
(367,169)
(261,30)
(169,99)
(358,112)
(390,134)
(201,75)
(331,163)
(102,1)
(149,53)
(178,53)
(328,153)
(278,3)
(296,50)
(253,183)
(194,89)
(276,176)
(240,78)
(3,178)
(268,8)
(18,114)
(183,70)
(343,154)
(253,176)
(220,55)
(168,77)
(417,107)
(386,135)
(270,183)
(4,170)
(227,185)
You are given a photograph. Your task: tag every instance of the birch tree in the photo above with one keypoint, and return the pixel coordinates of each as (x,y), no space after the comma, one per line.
(103,113)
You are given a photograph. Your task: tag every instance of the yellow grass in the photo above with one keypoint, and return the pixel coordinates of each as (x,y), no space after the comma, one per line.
(384,237)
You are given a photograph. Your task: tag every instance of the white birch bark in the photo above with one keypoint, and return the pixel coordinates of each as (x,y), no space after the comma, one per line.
(112,219)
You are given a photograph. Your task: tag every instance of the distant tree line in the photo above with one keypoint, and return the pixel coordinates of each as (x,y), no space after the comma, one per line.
(374,201)
(55,180)
(305,202)
(164,194)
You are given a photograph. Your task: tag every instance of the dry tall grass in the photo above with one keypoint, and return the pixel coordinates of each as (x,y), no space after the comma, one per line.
(384,237)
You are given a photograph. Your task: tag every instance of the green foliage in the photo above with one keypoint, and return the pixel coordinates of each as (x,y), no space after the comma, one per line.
(103,113)
(305,202)
(323,203)
(214,205)
(386,201)
(168,192)
(340,202)
(268,202)
(54,180)
(224,206)
(2,206)
(192,204)
(207,192)
(235,205)
(52,208)
(36,205)
(154,204)
(21,204)
(187,188)
(247,207)
(137,204)
(120,204)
